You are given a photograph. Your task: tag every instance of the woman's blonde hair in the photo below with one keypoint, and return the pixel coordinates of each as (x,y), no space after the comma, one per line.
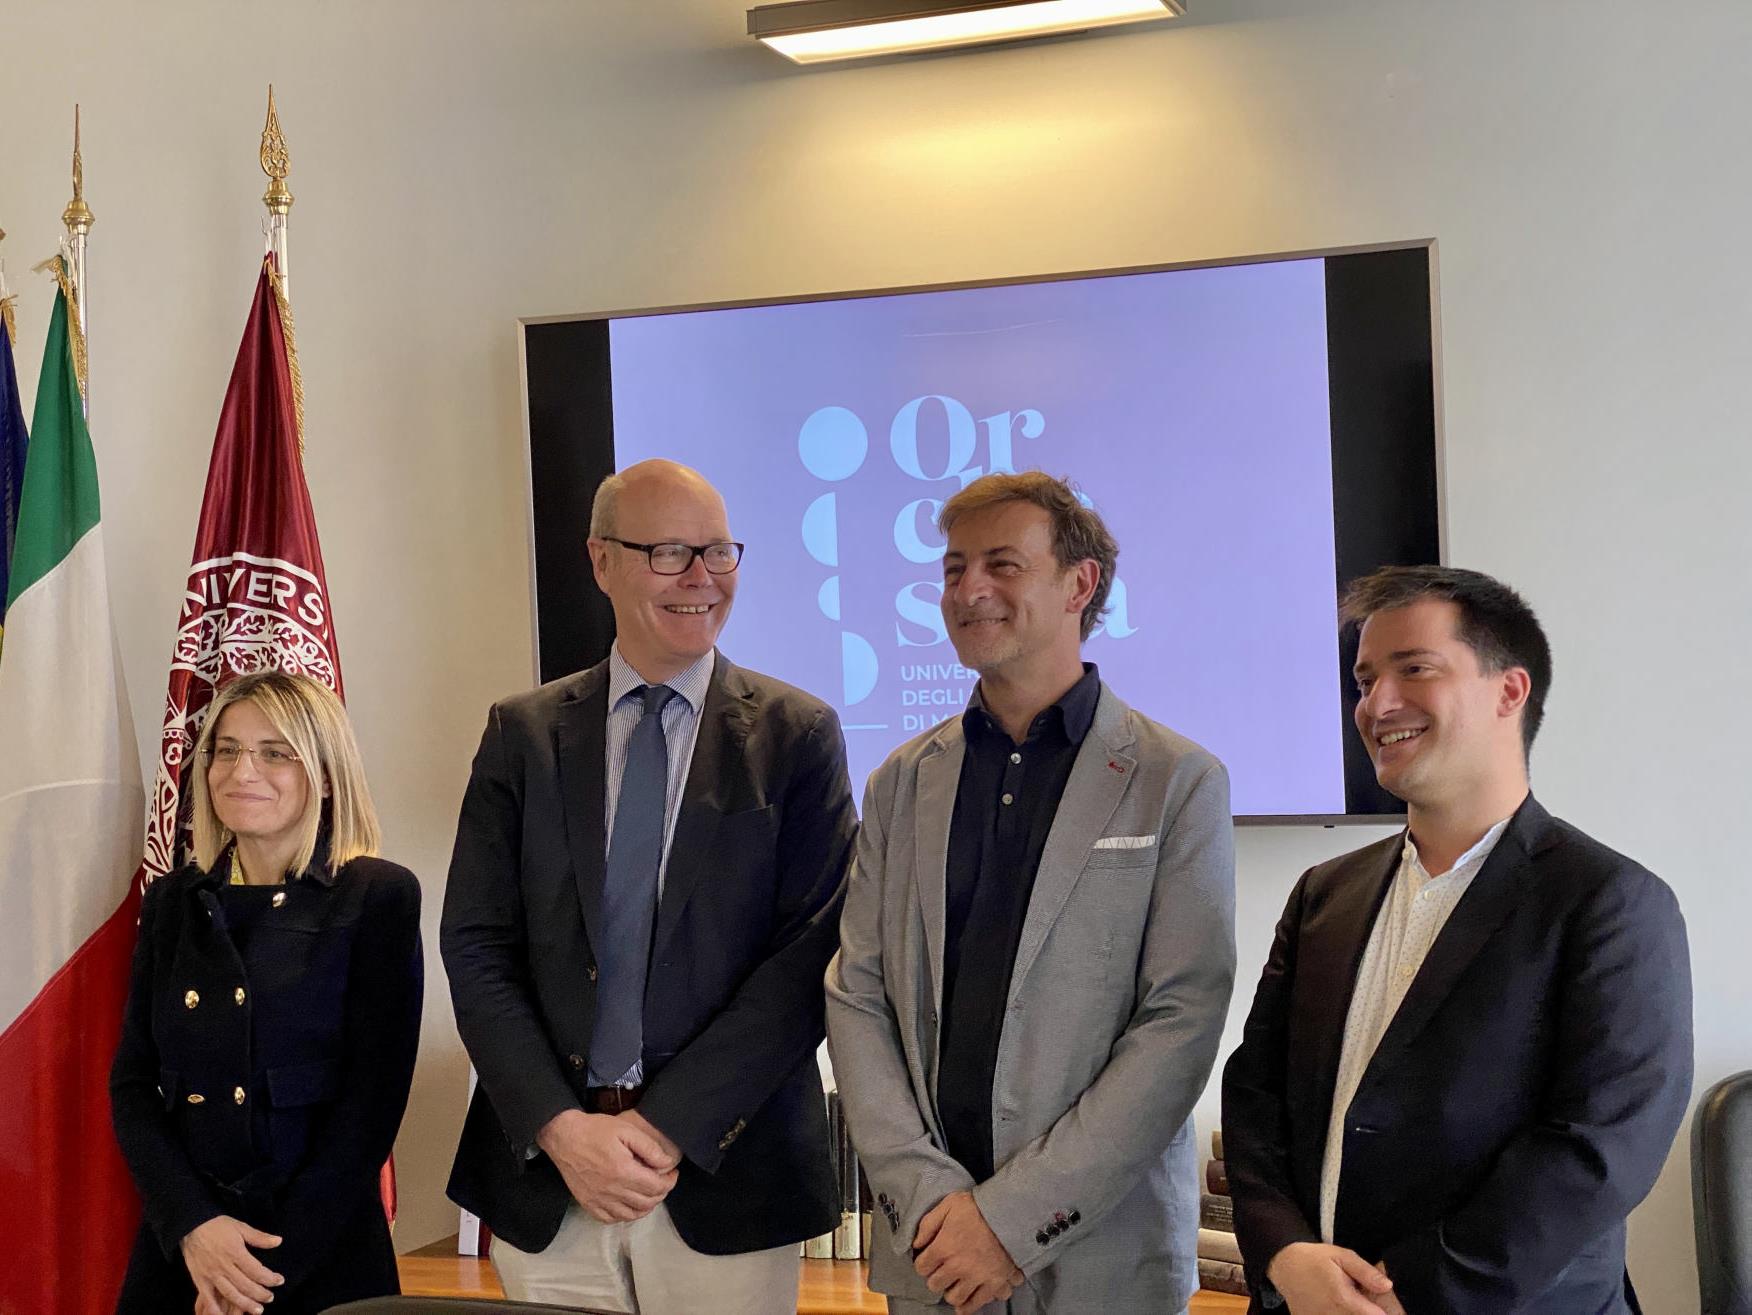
(306,714)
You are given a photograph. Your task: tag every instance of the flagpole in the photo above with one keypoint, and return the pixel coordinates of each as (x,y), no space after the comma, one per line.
(276,164)
(6,302)
(78,219)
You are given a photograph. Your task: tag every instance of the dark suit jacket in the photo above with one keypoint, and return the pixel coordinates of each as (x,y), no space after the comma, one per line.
(733,1007)
(1521,1102)
(320,1036)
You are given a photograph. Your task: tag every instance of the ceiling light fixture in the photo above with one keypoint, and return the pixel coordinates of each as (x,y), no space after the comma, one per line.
(814,31)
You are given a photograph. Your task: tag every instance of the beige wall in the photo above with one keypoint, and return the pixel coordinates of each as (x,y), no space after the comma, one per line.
(1584,167)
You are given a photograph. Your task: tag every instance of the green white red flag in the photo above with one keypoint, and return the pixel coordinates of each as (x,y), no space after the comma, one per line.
(70,803)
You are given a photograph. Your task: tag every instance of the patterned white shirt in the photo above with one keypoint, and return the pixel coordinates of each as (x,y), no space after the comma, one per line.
(1411,917)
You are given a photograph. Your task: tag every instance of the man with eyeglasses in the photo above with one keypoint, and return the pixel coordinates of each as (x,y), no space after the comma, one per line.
(645,891)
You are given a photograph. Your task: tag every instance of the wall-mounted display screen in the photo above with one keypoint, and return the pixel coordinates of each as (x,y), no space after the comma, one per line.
(1253,435)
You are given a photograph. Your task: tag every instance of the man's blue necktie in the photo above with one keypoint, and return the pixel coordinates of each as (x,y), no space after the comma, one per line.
(629,897)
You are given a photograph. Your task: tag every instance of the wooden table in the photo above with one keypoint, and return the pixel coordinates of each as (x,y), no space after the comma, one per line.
(828,1287)
(437,1271)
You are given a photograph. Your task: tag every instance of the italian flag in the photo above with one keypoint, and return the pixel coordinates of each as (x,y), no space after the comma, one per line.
(70,810)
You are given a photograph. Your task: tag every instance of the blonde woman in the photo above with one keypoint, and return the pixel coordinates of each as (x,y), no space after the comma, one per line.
(271,1024)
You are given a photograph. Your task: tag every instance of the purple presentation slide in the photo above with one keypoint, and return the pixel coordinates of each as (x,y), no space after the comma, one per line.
(1191,409)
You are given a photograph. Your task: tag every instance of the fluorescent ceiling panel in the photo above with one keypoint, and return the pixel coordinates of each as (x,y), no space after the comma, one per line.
(816,31)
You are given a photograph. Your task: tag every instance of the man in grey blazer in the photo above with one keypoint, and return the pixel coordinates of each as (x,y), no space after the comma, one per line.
(1036,953)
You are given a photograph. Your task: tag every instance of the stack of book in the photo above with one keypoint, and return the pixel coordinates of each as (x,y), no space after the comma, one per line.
(851,1239)
(1219,1257)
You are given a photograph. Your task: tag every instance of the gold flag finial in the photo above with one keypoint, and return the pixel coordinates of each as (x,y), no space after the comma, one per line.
(77,216)
(276,162)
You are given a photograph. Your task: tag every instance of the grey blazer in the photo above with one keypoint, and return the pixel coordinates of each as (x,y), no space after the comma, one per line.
(1116,1007)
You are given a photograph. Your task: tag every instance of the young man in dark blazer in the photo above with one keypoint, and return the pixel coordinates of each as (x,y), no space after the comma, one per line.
(645,891)
(1471,1044)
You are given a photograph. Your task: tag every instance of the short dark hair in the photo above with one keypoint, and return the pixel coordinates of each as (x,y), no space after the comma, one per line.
(1078,532)
(1495,622)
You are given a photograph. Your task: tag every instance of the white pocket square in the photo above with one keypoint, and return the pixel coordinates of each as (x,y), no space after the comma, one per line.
(1125,842)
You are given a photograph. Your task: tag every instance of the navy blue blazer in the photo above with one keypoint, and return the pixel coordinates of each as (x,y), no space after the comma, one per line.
(1521,1102)
(734,1011)
(271,1095)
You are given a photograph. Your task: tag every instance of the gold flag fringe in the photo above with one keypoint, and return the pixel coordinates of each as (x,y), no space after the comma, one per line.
(285,308)
(75,334)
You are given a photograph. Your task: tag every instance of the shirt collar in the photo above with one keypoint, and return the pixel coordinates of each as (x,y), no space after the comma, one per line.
(691,683)
(1467,864)
(1075,708)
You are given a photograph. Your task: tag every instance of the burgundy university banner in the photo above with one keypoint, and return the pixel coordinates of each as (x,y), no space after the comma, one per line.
(256,597)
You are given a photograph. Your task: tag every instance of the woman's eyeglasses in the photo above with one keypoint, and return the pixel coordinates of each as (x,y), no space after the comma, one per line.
(267,758)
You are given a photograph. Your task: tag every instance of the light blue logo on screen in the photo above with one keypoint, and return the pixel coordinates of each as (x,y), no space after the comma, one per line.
(833,444)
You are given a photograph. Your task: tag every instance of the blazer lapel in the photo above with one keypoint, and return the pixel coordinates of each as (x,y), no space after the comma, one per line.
(1489,900)
(1329,952)
(939,777)
(1099,778)
(718,764)
(580,756)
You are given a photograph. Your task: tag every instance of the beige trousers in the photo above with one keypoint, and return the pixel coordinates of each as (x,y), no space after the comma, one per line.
(644,1268)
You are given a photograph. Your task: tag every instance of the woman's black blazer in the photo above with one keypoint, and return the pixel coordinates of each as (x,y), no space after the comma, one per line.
(271,1095)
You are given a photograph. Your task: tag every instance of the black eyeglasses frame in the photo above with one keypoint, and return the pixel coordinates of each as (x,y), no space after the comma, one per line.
(695,550)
